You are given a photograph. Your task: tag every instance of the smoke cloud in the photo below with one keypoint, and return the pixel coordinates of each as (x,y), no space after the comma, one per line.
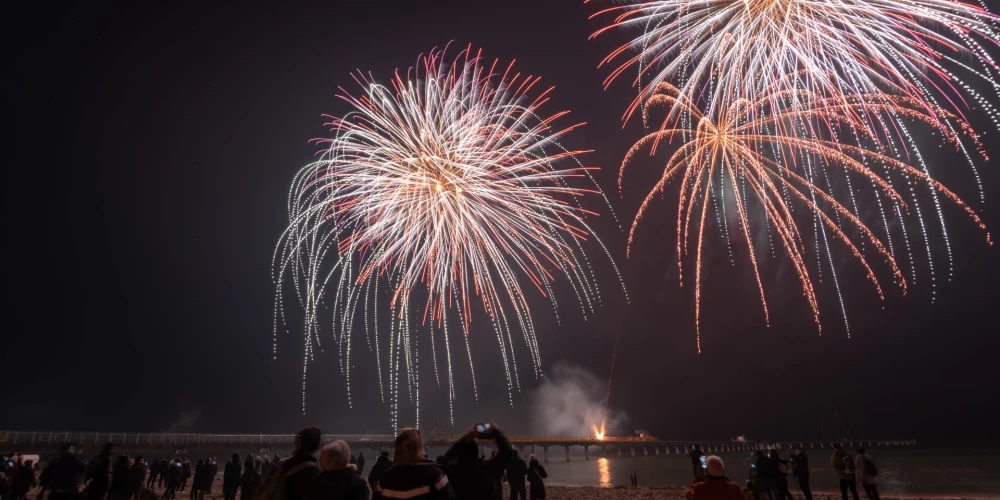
(570,402)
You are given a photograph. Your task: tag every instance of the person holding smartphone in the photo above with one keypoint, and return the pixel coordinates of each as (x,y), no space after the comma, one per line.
(472,477)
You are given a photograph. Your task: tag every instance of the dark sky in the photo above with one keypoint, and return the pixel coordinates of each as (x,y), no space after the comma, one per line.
(149,152)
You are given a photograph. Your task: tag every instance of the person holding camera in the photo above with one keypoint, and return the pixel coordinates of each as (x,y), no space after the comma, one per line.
(472,477)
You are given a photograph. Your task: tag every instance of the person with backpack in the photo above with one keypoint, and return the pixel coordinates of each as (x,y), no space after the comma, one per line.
(536,474)
(339,479)
(844,465)
(298,471)
(869,474)
(781,476)
(800,469)
(412,476)
(382,464)
(231,477)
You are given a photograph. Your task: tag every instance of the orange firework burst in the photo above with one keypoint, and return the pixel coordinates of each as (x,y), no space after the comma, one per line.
(766,158)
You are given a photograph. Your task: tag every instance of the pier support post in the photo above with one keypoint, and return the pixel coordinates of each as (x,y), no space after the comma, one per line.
(545,453)
(619,449)
(567,453)
(656,449)
(666,449)
(586,452)
(632,449)
(532,449)
(645,451)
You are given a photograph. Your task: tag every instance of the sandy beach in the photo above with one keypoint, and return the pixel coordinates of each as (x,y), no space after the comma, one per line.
(614,493)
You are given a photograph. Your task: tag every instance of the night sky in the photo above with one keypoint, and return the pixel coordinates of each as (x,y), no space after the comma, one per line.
(148,157)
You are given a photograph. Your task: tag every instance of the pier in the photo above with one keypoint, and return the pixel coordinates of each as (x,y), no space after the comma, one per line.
(183,444)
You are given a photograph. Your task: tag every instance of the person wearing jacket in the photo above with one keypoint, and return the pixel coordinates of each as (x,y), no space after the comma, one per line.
(251,479)
(198,480)
(99,473)
(780,475)
(302,468)
(136,476)
(164,469)
(800,469)
(63,474)
(472,477)
(231,477)
(266,468)
(517,470)
(536,474)
(154,472)
(185,474)
(714,485)
(767,472)
(23,480)
(867,474)
(412,476)
(339,480)
(119,479)
(173,479)
(382,464)
(844,465)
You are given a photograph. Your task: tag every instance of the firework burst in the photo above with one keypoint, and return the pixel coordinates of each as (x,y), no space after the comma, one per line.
(769,160)
(444,195)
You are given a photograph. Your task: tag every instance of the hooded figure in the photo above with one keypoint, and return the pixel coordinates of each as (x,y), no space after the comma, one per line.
(337,481)
(867,474)
(536,474)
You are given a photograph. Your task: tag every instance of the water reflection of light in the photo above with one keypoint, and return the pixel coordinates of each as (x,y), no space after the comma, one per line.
(604,469)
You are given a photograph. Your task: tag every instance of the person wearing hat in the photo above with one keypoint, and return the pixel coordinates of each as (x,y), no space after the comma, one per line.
(715,486)
(339,480)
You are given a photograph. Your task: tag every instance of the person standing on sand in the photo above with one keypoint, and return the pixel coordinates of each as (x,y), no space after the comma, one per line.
(198,479)
(767,472)
(301,469)
(251,479)
(476,478)
(361,463)
(844,465)
(136,476)
(119,479)
(696,455)
(266,467)
(781,476)
(800,469)
(154,472)
(382,464)
(164,469)
(99,473)
(536,474)
(868,474)
(23,481)
(339,479)
(185,474)
(231,477)
(516,472)
(715,486)
(412,476)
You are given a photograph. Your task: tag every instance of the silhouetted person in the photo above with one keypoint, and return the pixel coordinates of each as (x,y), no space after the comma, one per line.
(868,473)
(517,471)
(338,481)
(173,479)
(213,472)
(472,477)
(251,479)
(382,464)
(231,477)
(185,474)
(198,480)
(301,468)
(63,475)
(266,467)
(164,469)
(780,475)
(844,465)
(136,476)
(767,472)
(23,480)
(536,475)
(154,472)
(713,484)
(695,454)
(412,476)
(119,479)
(800,469)
(361,463)
(99,473)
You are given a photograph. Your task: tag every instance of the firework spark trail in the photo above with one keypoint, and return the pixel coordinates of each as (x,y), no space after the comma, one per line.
(782,156)
(447,184)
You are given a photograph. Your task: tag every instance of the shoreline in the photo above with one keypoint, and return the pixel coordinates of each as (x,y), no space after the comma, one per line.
(679,492)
